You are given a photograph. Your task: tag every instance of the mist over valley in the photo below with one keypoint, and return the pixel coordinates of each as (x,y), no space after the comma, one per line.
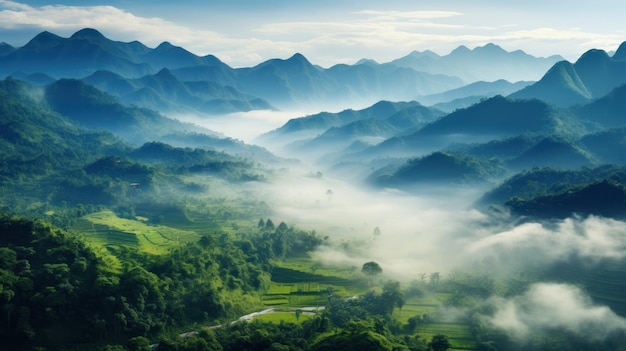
(151,197)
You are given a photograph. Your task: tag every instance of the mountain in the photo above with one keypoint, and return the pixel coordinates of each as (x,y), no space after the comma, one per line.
(538,182)
(485,63)
(555,152)
(36,141)
(373,130)
(295,81)
(491,119)
(33,78)
(282,83)
(604,145)
(437,168)
(498,116)
(605,112)
(603,198)
(169,56)
(94,109)
(164,91)
(6,49)
(83,53)
(477,90)
(592,76)
(308,127)
(506,149)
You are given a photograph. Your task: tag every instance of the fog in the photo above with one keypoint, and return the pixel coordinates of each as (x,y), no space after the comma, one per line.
(436,229)
(245,126)
(429,230)
(546,306)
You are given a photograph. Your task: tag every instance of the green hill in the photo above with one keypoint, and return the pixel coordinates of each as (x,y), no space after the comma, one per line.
(440,168)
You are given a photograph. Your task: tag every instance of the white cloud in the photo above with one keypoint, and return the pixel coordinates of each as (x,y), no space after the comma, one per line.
(548,305)
(326,36)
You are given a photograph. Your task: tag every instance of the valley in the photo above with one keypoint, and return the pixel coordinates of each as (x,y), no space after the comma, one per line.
(148,193)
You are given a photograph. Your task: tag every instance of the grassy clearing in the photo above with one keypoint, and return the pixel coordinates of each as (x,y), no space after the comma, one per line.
(107,230)
(459,334)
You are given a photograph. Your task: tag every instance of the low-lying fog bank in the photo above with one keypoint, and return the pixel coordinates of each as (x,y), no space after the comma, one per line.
(433,231)
(412,236)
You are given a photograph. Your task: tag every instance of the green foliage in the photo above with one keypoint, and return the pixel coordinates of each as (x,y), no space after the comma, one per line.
(439,343)
(57,291)
(546,192)
(441,167)
(371,269)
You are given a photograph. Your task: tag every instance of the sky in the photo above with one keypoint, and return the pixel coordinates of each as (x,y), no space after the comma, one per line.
(244,33)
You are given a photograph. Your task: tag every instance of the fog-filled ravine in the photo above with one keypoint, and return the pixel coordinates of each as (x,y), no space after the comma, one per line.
(149,200)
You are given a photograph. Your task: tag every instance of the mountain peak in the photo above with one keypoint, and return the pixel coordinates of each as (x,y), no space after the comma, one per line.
(593,57)
(298,57)
(164,45)
(462,49)
(88,33)
(620,54)
(45,37)
(489,48)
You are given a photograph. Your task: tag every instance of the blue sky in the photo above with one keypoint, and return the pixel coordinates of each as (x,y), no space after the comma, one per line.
(247,32)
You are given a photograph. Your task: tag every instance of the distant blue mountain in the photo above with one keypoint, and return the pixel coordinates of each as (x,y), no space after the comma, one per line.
(379,120)
(592,76)
(282,83)
(476,90)
(485,63)
(165,92)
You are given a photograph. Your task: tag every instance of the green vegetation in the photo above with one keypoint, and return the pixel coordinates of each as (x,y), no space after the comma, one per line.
(108,245)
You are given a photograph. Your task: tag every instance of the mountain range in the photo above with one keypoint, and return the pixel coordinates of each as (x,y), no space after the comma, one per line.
(570,118)
(592,76)
(204,84)
(485,63)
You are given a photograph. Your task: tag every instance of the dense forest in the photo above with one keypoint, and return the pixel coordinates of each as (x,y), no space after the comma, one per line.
(124,229)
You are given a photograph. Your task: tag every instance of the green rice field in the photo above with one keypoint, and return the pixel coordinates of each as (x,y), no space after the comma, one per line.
(107,230)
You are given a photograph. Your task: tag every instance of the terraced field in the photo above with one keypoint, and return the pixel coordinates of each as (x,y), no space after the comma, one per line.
(107,230)
(300,282)
(460,335)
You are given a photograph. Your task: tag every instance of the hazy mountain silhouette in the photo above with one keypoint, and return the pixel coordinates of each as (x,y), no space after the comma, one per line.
(606,145)
(294,81)
(33,78)
(491,119)
(374,129)
(33,136)
(553,152)
(165,92)
(439,167)
(603,198)
(83,53)
(592,76)
(506,149)
(485,63)
(6,49)
(308,127)
(94,109)
(477,90)
(297,81)
(607,111)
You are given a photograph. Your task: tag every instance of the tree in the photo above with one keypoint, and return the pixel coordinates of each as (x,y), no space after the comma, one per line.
(392,297)
(298,313)
(371,269)
(439,343)
(434,278)
(261,223)
(138,343)
(377,231)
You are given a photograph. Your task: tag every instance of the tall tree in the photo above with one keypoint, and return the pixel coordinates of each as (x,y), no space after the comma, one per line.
(371,269)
